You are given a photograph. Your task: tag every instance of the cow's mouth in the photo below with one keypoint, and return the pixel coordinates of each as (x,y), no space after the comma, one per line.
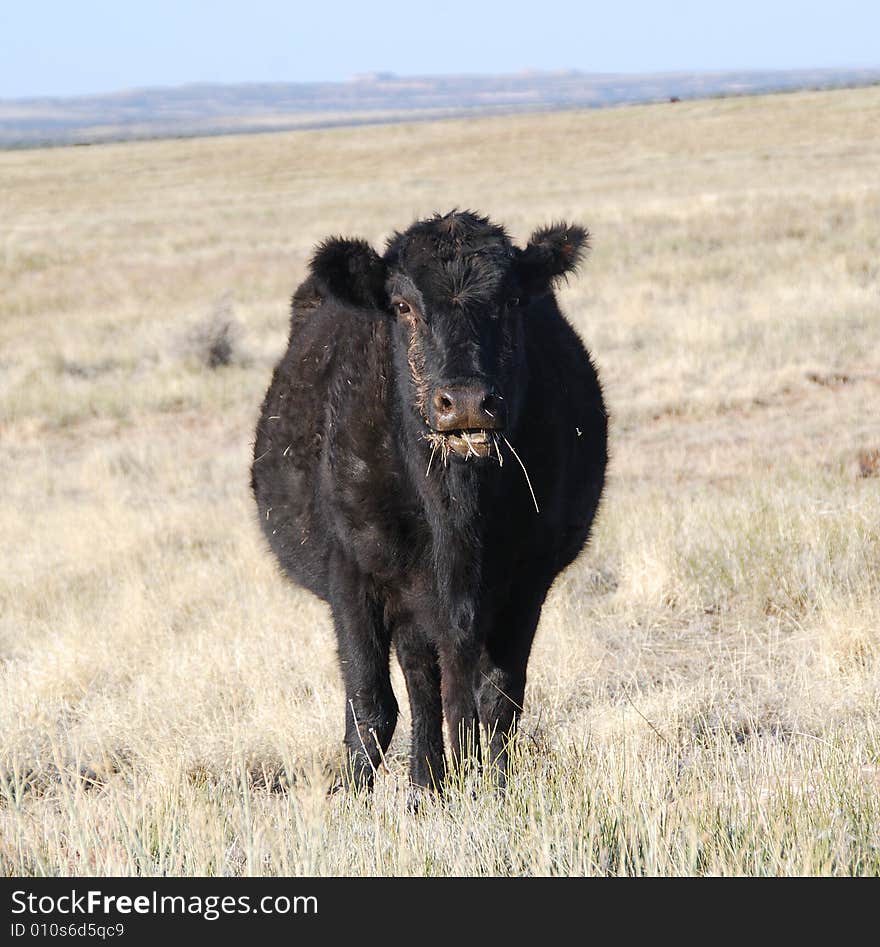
(470,443)
(466,444)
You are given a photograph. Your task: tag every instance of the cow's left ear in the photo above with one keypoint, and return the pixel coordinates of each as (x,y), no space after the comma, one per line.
(552,252)
(350,270)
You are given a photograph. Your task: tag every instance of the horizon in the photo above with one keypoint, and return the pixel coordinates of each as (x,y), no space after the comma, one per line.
(97,48)
(390,76)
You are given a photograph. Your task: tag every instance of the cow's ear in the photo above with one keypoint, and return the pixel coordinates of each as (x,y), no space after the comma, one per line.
(350,270)
(552,252)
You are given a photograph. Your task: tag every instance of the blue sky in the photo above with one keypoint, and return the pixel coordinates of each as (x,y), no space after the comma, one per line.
(85,46)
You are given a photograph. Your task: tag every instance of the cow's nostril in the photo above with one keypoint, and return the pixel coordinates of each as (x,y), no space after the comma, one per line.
(443,401)
(490,405)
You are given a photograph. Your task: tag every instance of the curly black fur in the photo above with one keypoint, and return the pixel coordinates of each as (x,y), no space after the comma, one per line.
(552,252)
(444,559)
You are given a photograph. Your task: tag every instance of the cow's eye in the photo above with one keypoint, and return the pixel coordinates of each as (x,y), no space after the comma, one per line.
(402,308)
(513,302)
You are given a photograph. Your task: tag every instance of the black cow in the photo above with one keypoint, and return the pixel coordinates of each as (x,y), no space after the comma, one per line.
(430,455)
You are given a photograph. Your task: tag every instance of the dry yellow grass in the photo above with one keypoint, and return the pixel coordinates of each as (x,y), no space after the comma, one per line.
(704,694)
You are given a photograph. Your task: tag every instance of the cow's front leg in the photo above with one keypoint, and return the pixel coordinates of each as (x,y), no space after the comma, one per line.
(364,648)
(418,661)
(502,672)
(458,663)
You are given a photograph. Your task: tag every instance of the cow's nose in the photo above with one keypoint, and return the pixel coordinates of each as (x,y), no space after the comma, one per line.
(466,408)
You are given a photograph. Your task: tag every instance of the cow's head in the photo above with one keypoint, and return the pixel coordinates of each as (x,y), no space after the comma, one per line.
(458,292)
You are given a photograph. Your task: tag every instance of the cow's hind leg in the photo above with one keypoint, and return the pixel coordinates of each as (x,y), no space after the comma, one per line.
(364,649)
(421,669)
(502,675)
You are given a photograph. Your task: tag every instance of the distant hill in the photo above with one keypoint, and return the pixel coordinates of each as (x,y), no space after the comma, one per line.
(207,109)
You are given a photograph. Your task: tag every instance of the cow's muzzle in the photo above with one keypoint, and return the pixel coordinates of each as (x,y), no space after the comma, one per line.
(465,417)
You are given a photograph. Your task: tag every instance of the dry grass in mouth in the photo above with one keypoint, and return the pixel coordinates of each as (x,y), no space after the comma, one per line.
(704,691)
(451,442)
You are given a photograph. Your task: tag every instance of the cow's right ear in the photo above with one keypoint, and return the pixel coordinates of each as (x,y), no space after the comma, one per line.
(350,270)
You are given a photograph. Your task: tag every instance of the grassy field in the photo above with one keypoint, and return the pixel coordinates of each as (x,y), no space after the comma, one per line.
(704,694)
